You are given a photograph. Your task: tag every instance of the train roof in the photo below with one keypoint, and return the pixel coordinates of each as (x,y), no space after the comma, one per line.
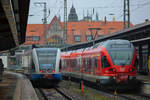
(117,43)
(114,43)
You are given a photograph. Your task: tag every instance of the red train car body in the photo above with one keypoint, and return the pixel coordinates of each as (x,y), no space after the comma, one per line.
(112,61)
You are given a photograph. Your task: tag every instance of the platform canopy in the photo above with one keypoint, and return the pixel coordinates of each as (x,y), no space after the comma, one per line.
(13,22)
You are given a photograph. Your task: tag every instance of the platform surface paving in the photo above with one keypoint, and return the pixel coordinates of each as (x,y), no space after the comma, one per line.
(16,86)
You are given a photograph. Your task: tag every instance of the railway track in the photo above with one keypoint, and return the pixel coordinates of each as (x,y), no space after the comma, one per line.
(127,95)
(65,95)
(52,94)
(137,94)
(110,93)
(60,94)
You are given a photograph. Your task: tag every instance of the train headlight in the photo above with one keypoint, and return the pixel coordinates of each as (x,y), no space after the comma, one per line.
(41,71)
(131,69)
(112,69)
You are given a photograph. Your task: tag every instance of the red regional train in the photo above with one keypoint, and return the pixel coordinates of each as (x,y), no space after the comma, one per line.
(111,61)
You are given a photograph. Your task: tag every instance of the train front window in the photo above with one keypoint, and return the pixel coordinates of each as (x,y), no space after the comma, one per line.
(47,60)
(121,57)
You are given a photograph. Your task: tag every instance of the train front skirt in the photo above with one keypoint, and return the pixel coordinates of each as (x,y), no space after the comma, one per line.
(57,77)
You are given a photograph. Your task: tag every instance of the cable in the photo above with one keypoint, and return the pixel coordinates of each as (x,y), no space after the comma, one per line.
(138,7)
(58,10)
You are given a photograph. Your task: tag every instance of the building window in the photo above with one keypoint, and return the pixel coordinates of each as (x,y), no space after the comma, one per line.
(73,25)
(111,30)
(28,38)
(77,38)
(35,38)
(32,30)
(73,30)
(100,36)
(89,24)
(88,37)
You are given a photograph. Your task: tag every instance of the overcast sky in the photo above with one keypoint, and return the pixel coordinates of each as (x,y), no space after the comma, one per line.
(139,9)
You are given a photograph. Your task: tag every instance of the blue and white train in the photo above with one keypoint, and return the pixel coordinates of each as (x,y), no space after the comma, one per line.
(45,65)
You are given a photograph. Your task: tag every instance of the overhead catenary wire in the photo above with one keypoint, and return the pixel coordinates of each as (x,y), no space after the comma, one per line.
(58,8)
(138,6)
(118,6)
(101,7)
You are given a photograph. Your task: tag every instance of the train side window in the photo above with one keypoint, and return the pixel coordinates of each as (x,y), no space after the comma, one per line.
(73,63)
(84,62)
(64,63)
(86,65)
(105,62)
(90,62)
(78,64)
(67,62)
(95,62)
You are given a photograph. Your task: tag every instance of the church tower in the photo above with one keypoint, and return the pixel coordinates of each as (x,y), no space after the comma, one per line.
(72,15)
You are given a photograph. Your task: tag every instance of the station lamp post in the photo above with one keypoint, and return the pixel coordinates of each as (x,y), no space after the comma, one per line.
(93,35)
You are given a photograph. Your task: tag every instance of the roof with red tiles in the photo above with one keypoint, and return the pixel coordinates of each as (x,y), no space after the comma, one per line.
(35,29)
(54,20)
(76,28)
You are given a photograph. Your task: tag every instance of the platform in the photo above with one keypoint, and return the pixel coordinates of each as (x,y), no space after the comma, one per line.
(16,86)
(145,79)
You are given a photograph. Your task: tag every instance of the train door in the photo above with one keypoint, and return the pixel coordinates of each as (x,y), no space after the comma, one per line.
(65,64)
(78,63)
(74,64)
(83,68)
(87,65)
(97,65)
(69,65)
(94,64)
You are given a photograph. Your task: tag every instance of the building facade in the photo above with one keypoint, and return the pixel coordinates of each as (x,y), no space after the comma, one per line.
(82,31)
(34,34)
(54,34)
(77,31)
